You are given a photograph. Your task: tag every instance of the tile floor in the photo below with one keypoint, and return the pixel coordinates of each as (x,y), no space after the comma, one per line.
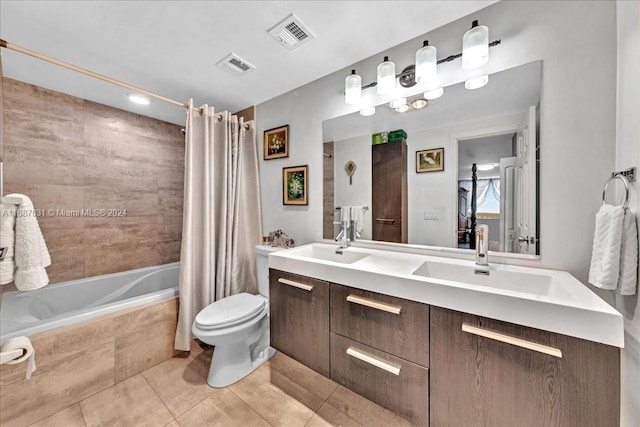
(174,393)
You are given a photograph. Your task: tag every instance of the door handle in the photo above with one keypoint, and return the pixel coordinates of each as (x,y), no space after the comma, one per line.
(389,308)
(508,339)
(298,285)
(386,220)
(374,361)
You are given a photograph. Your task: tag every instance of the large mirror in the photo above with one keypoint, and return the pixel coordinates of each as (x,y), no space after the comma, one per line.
(467,158)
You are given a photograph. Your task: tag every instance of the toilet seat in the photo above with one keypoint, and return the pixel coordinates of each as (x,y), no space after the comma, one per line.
(230,311)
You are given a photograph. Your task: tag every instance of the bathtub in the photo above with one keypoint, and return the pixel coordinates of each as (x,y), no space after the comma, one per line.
(68,303)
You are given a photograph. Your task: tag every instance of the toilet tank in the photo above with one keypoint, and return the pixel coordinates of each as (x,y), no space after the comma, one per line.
(262,267)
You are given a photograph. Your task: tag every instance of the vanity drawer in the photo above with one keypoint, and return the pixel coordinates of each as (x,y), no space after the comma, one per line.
(394,383)
(299,318)
(393,325)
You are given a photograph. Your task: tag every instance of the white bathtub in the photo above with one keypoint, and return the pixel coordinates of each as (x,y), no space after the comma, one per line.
(28,313)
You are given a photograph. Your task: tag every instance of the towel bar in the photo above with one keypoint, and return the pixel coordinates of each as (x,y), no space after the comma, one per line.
(626,187)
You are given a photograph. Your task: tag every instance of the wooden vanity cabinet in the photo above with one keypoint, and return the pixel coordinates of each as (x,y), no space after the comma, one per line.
(389,192)
(299,316)
(380,350)
(481,381)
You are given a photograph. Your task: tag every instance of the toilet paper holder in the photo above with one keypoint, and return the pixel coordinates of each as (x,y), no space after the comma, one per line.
(8,356)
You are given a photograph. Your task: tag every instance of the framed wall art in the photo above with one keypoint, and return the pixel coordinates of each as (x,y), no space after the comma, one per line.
(430,160)
(276,143)
(295,185)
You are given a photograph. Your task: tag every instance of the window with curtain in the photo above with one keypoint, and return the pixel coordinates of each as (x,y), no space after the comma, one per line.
(488,199)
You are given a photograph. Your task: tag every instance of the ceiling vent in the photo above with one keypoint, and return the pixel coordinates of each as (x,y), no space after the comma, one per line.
(235,65)
(291,32)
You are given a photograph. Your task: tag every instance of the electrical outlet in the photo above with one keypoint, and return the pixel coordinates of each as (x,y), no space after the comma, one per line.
(430,215)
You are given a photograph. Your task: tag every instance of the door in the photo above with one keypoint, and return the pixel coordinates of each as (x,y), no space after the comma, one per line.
(525,179)
(508,215)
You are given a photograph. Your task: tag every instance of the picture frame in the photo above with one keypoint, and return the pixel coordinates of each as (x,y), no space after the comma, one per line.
(295,185)
(275,143)
(431,160)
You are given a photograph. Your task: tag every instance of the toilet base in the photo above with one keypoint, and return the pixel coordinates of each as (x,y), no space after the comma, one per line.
(231,364)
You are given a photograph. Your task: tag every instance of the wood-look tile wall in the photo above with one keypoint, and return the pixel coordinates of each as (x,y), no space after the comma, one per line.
(77,361)
(67,153)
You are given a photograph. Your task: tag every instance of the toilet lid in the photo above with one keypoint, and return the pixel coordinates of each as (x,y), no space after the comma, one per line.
(230,311)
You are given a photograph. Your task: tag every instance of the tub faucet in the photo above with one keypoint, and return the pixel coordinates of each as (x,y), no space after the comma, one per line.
(343,235)
(482,244)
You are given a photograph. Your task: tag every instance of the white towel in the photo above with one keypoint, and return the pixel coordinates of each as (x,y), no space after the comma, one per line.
(7,239)
(628,277)
(31,254)
(357,216)
(605,256)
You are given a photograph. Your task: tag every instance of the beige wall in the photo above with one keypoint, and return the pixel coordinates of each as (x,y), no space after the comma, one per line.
(67,153)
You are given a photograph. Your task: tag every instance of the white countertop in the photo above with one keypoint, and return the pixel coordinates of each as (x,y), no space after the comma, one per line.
(539,298)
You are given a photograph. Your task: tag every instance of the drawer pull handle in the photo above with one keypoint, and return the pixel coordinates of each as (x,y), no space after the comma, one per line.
(395,309)
(371,360)
(298,285)
(508,339)
(386,220)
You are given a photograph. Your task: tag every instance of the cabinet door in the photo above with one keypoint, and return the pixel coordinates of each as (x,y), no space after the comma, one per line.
(389,191)
(479,381)
(299,316)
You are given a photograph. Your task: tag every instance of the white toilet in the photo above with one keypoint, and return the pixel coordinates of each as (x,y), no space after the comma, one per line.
(238,327)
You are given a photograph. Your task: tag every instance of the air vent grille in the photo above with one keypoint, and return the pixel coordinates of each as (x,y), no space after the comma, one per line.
(235,65)
(291,32)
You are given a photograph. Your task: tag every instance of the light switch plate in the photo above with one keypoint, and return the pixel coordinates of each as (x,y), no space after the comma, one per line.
(430,215)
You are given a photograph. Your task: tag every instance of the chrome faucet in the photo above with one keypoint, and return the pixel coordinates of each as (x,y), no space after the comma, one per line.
(482,244)
(343,235)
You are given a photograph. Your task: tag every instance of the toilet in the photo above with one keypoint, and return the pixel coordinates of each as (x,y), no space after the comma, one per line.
(238,327)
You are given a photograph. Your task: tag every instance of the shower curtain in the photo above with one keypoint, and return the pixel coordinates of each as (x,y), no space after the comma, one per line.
(221,214)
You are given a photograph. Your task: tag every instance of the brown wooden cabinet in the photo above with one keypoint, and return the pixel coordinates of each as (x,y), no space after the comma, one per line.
(480,381)
(389,191)
(380,350)
(299,316)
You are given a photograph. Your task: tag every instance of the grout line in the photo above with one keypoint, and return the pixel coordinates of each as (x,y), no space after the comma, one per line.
(158,396)
(249,406)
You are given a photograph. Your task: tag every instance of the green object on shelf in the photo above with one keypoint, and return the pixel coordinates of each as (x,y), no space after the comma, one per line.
(395,135)
(380,138)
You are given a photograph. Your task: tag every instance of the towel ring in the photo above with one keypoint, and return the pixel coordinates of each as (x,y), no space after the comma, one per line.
(626,188)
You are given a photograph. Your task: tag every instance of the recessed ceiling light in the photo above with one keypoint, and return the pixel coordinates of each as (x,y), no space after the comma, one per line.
(398,103)
(368,111)
(403,108)
(486,167)
(477,82)
(419,103)
(136,98)
(434,94)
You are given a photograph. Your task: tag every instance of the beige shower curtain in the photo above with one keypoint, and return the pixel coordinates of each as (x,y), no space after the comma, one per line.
(221,214)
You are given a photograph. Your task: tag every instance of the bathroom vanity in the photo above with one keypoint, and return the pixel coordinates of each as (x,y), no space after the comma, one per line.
(429,339)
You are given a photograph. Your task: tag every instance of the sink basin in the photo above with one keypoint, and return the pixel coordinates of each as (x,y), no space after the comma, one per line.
(492,277)
(328,253)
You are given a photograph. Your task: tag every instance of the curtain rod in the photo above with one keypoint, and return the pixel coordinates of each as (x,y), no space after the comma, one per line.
(5,44)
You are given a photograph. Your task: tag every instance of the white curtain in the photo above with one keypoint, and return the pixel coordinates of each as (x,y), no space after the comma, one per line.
(221,214)
(482,188)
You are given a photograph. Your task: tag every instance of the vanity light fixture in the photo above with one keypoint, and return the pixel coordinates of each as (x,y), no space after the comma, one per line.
(368,111)
(139,99)
(398,103)
(426,65)
(475,47)
(386,77)
(476,82)
(418,103)
(353,88)
(434,94)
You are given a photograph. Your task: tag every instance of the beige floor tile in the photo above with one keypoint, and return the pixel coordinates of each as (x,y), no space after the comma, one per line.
(70,417)
(180,382)
(129,403)
(317,384)
(328,416)
(202,353)
(276,398)
(364,411)
(173,423)
(223,408)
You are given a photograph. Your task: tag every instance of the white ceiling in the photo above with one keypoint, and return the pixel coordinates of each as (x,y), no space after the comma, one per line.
(171,47)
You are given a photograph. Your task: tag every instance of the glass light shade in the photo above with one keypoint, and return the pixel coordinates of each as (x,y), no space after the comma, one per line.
(386,81)
(426,64)
(476,82)
(419,103)
(486,167)
(402,109)
(434,94)
(398,103)
(368,111)
(475,47)
(353,88)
